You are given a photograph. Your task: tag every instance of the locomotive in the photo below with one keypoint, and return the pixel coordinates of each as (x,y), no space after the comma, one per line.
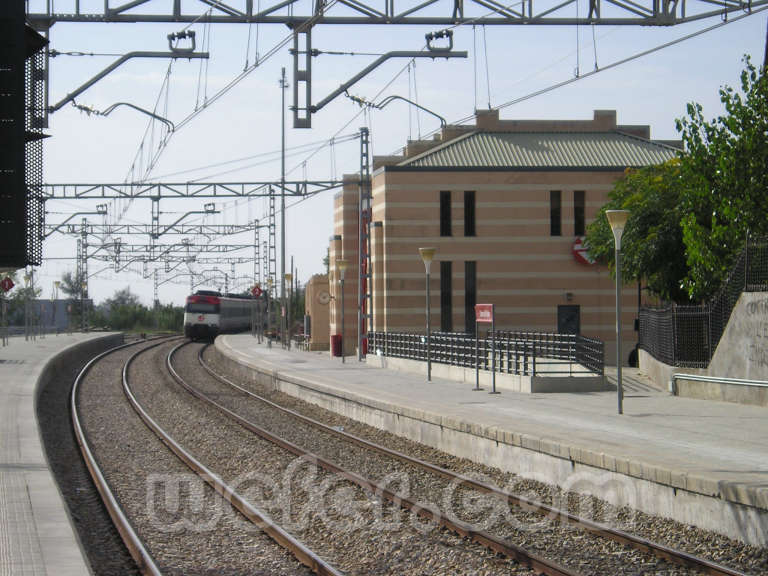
(208,313)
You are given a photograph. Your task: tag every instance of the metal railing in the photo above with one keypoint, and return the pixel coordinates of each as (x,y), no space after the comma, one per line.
(687,335)
(521,353)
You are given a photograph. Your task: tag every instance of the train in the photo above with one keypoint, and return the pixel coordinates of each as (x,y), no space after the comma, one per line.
(208,313)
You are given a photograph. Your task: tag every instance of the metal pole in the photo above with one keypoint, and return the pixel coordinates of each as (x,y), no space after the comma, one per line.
(289,314)
(283,86)
(620,391)
(493,353)
(429,337)
(342,317)
(477,358)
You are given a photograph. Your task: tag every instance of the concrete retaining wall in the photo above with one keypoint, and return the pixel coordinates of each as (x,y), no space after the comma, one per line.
(741,353)
(685,498)
(581,381)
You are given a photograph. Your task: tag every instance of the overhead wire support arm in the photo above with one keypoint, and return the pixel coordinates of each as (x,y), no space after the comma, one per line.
(119,62)
(376,63)
(389,99)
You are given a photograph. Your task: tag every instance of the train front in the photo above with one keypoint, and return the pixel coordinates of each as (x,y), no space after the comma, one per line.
(202,316)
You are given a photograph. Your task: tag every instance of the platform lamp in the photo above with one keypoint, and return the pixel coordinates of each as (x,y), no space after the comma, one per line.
(618,221)
(289,281)
(341,265)
(427,255)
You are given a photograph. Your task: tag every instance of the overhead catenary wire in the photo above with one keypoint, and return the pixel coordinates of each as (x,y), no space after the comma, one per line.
(229,86)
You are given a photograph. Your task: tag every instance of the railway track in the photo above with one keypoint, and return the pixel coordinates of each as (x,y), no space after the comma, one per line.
(156,544)
(295,420)
(339,503)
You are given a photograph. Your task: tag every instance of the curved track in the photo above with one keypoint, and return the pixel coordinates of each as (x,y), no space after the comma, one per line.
(156,544)
(537,563)
(699,565)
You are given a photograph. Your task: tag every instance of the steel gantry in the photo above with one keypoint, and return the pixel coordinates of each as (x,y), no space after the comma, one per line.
(162,190)
(390,12)
(207,230)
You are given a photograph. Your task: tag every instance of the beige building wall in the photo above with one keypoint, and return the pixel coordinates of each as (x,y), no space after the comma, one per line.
(520,266)
(317,305)
(343,245)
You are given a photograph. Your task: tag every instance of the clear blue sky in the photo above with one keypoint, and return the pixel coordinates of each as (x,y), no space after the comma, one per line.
(651,90)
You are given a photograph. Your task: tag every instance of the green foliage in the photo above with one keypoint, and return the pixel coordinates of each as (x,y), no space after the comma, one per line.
(726,181)
(124,311)
(18,300)
(70,285)
(689,218)
(652,245)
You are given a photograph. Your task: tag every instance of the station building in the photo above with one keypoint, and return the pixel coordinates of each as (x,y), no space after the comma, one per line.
(506,204)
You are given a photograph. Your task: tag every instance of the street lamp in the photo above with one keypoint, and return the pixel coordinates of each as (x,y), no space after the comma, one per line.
(427,255)
(269,311)
(618,221)
(342,264)
(288,279)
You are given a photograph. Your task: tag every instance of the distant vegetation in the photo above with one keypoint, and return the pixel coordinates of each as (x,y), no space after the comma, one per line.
(124,311)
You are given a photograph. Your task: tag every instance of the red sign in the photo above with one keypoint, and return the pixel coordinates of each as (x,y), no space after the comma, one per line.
(256,291)
(484,313)
(6,284)
(581,252)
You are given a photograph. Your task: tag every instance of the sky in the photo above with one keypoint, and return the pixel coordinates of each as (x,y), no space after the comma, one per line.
(505,63)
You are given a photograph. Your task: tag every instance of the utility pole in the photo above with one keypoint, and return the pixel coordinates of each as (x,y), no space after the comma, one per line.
(283,86)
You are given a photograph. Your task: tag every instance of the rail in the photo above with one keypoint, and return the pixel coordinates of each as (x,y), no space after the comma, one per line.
(603,530)
(715,380)
(133,542)
(521,353)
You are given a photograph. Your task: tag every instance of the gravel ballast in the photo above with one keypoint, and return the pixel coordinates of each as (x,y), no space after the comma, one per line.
(708,545)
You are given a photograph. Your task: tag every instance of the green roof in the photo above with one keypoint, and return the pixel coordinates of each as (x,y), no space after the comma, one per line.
(543,150)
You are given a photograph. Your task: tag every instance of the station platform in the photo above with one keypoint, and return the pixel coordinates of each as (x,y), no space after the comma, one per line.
(701,462)
(36,535)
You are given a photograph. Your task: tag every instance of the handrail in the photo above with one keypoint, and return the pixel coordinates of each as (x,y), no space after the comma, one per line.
(714,379)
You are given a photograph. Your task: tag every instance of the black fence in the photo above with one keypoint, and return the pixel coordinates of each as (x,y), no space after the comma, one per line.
(522,353)
(687,336)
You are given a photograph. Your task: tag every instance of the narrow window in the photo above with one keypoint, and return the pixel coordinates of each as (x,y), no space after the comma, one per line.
(446,299)
(555,227)
(578,213)
(469,213)
(445,213)
(470,296)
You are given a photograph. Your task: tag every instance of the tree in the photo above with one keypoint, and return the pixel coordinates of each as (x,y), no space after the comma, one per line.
(726,192)
(689,218)
(70,285)
(125,311)
(652,246)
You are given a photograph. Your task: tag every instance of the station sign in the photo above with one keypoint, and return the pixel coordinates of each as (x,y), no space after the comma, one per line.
(484,313)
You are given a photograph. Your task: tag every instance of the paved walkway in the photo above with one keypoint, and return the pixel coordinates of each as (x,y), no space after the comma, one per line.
(706,447)
(36,536)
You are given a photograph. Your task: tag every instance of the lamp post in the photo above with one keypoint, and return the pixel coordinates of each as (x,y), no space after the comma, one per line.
(83,298)
(427,255)
(269,312)
(618,221)
(288,281)
(26,306)
(342,266)
(55,299)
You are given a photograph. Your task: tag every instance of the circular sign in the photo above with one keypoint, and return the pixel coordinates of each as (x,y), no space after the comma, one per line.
(581,251)
(6,284)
